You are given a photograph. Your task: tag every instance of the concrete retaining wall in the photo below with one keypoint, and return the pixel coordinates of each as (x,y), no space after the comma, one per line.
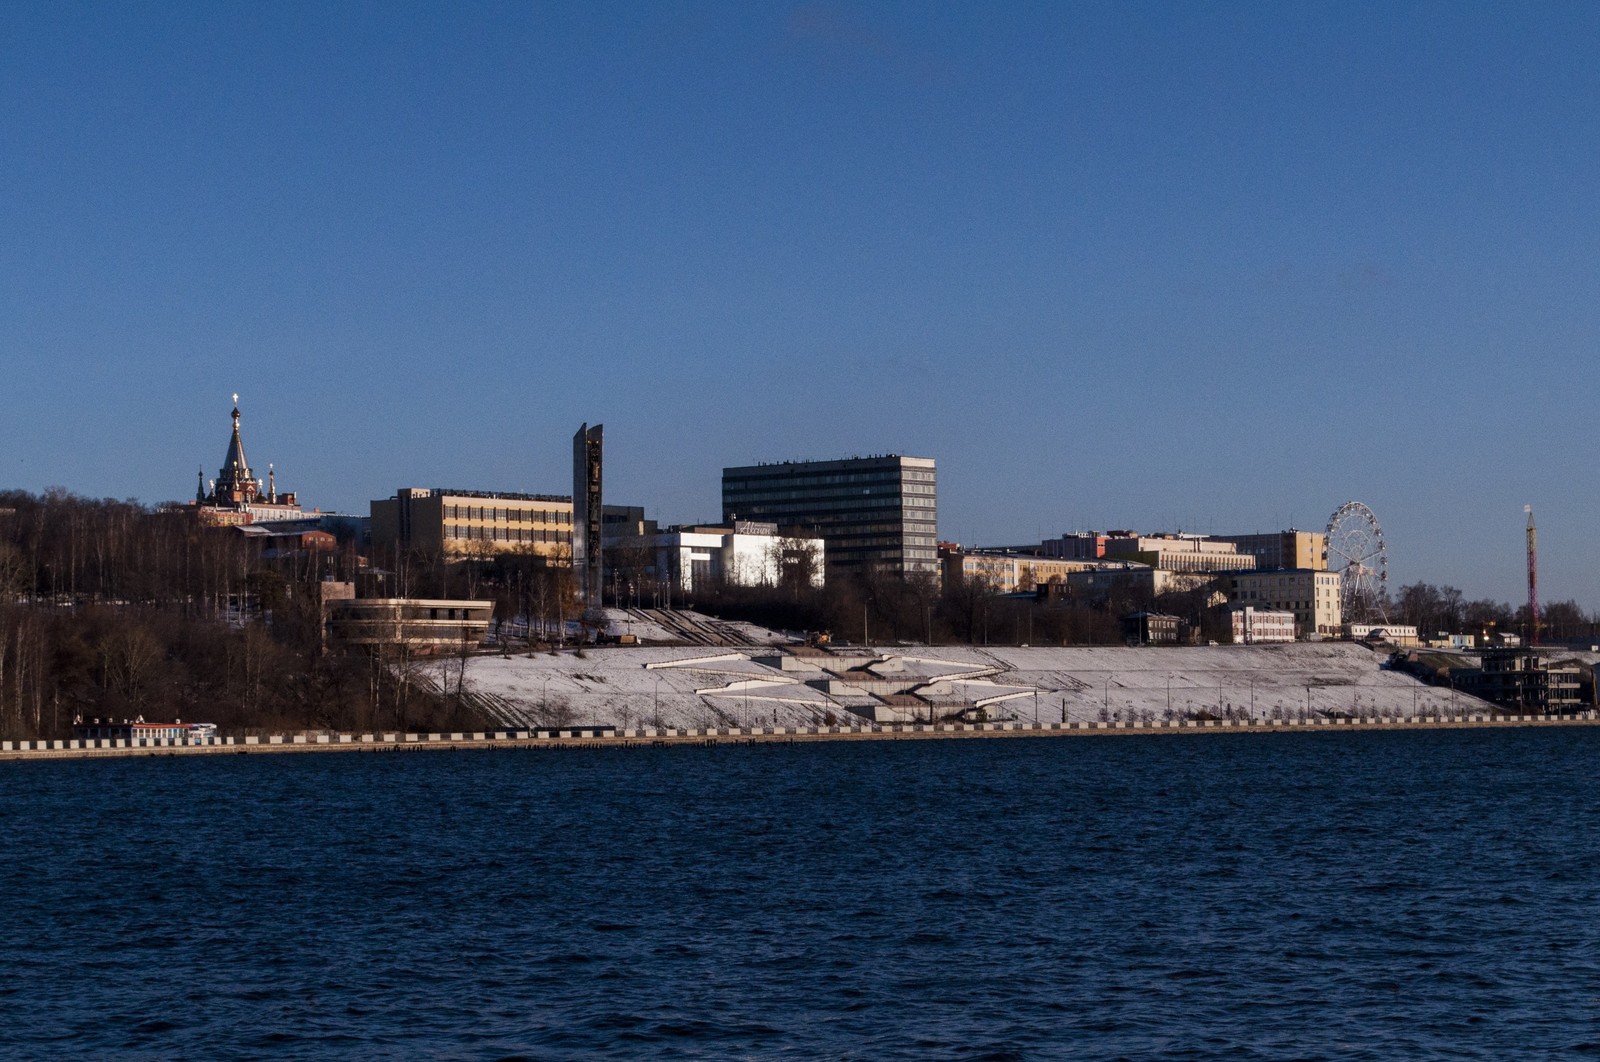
(390,741)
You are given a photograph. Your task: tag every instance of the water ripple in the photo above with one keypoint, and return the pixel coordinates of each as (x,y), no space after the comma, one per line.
(1418,895)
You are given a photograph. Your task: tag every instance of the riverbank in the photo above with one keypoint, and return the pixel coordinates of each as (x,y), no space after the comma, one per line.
(580,737)
(795,687)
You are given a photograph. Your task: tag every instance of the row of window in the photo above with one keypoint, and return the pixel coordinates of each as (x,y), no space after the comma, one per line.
(780,501)
(504,533)
(898,530)
(882,475)
(502,515)
(1255,595)
(845,522)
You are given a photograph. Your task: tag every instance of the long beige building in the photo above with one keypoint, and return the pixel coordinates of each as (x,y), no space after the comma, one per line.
(1006,573)
(466,523)
(1100,580)
(1313,597)
(1177,553)
(422,625)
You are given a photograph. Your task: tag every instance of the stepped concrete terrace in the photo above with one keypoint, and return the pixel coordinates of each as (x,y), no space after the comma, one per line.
(698,687)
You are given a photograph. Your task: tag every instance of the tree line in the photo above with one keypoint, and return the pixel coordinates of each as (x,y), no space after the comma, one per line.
(110,609)
(884,608)
(1433,609)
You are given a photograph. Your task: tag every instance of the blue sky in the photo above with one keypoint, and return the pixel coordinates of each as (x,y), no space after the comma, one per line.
(1210,267)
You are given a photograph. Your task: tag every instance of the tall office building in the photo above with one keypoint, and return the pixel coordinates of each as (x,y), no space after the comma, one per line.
(872,512)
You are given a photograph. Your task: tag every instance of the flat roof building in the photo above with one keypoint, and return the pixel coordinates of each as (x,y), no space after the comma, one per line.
(424,625)
(1257,626)
(1177,553)
(1004,571)
(874,513)
(750,553)
(1313,596)
(1107,578)
(474,523)
(1284,549)
(1074,545)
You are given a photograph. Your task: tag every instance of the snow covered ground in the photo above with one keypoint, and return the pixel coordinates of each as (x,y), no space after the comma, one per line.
(702,686)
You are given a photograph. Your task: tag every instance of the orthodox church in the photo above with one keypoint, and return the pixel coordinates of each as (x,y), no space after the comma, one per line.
(237,497)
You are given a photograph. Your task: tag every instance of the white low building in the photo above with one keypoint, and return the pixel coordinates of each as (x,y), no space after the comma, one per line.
(1393,633)
(1261,626)
(749,553)
(1313,596)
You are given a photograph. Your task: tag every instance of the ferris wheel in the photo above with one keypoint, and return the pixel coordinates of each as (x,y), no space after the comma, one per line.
(1356,551)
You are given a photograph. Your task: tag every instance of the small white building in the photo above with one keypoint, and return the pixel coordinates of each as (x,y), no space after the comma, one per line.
(1256,626)
(749,553)
(1312,595)
(1394,633)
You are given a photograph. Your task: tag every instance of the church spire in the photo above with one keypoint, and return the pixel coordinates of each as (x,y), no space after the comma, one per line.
(235,484)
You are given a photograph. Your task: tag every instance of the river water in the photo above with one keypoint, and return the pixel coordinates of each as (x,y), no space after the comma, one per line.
(1371,895)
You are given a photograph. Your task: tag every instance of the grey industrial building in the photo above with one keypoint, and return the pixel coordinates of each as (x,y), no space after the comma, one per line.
(874,513)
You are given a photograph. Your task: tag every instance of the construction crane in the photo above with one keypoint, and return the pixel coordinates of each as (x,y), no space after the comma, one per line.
(1533,578)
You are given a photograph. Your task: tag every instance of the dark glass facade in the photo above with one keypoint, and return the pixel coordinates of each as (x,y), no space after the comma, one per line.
(871,512)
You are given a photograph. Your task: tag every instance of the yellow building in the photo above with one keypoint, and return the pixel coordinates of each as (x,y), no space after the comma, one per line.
(1313,596)
(1177,553)
(1097,580)
(469,523)
(1284,549)
(1006,573)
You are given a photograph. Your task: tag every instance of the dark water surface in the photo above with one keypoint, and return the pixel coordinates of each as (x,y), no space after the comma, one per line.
(1398,895)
